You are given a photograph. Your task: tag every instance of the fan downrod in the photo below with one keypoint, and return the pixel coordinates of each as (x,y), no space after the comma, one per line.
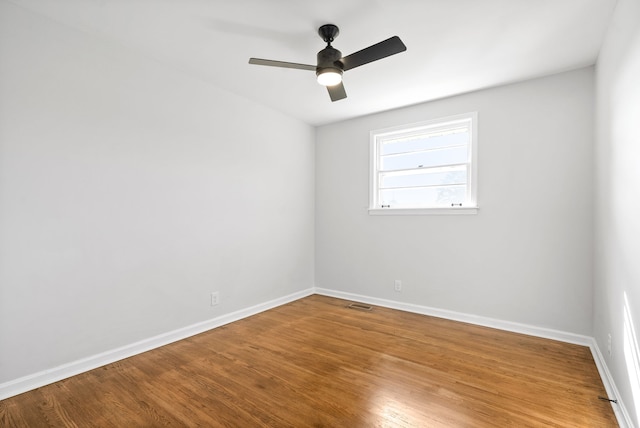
(328,32)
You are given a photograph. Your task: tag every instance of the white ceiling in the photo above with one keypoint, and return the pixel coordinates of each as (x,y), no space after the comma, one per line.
(453,46)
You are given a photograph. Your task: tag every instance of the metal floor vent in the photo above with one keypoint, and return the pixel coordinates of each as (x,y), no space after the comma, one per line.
(359,306)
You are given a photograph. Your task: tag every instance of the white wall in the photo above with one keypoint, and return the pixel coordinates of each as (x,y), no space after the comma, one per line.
(617,269)
(526,257)
(129,192)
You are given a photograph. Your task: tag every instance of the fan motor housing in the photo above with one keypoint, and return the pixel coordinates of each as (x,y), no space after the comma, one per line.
(329,57)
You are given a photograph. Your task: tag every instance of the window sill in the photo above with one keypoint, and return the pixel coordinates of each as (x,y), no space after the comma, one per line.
(424,211)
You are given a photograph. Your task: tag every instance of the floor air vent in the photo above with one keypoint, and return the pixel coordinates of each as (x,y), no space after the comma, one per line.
(359,306)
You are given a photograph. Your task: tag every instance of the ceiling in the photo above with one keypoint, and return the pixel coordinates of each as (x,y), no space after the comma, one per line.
(453,46)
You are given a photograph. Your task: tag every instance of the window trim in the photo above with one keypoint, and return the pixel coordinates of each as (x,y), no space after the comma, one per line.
(375,135)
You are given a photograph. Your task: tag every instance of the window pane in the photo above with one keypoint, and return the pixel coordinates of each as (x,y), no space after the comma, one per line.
(425,142)
(424,196)
(428,177)
(424,165)
(429,158)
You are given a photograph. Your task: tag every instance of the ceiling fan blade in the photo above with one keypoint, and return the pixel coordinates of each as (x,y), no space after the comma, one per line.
(259,61)
(375,52)
(337,92)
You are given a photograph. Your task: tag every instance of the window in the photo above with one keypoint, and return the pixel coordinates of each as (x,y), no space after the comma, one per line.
(425,168)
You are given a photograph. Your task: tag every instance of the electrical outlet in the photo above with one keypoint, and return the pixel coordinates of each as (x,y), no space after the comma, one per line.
(609,344)
(397,285)
(215,298)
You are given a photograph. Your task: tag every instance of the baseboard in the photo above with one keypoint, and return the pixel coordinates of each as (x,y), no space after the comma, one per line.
(624,419)
(45,377)
(462,317)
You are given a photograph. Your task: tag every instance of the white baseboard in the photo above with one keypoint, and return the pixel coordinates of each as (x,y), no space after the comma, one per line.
(462,317)
(45,377)
(624,419)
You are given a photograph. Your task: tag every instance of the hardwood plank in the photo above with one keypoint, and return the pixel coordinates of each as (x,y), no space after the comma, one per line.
(314,362)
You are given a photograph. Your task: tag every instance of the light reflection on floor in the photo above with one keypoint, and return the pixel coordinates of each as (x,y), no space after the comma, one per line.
(397,409)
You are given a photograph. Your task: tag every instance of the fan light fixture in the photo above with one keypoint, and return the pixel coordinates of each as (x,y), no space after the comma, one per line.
(329,77)
(331,64)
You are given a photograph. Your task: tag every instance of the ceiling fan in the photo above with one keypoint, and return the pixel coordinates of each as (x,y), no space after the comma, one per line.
(331,63)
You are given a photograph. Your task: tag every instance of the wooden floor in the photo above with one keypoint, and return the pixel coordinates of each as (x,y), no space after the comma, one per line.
(316,363)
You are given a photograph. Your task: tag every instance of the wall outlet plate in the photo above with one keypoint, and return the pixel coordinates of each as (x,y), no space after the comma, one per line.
(215,298)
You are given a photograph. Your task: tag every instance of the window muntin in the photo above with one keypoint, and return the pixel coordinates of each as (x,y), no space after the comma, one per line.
(424,166)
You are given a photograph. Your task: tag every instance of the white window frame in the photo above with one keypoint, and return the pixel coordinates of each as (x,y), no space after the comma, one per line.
(378,136)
